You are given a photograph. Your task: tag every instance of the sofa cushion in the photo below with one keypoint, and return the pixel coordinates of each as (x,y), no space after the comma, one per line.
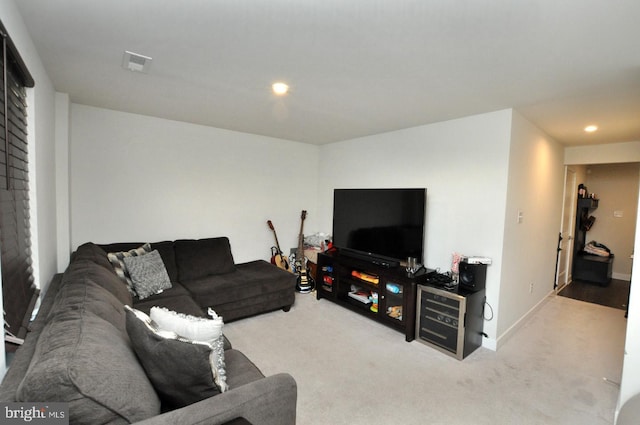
(182,371)
(117,261)
(196,329)
(176,298)
(83,293)
(85,270)
(148,274)
(240,370)
(22,357)
(168,255)
(255,305)
(251,279)
(85,361)
(165,248)
(92,252)
(203,257)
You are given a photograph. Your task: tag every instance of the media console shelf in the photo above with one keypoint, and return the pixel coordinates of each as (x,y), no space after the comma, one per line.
(357,285)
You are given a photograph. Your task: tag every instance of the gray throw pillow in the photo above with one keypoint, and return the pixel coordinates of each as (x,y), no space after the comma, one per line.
(117,261)
(148,274)
(196,329)
(181,370)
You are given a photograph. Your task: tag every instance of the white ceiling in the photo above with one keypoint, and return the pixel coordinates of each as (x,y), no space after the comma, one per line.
(355,67)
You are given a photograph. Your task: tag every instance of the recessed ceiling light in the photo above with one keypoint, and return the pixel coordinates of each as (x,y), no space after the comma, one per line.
(590,128)
(280,89)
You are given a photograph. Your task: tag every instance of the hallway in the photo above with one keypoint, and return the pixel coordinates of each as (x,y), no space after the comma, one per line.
(615,295)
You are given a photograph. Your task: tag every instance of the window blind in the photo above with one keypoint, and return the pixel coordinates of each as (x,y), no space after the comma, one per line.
(18,288)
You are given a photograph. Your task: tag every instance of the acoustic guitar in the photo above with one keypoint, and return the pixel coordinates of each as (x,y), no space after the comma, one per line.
(304,284)
(276,253)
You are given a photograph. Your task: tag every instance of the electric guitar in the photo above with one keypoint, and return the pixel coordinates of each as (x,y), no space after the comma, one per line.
(305,284)
(276,253)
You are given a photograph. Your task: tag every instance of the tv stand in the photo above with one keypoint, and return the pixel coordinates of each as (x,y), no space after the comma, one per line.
(382,292)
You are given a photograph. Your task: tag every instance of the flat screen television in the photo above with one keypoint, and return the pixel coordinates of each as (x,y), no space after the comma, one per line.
(383,225)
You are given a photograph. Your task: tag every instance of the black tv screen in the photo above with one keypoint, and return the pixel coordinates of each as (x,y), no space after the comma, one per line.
(380,223)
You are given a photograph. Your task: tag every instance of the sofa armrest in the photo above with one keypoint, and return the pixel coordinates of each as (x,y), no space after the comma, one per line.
(268,401)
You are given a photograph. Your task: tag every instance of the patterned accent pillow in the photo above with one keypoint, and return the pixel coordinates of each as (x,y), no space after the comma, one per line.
(182,371)
(148,274)
(197,329)
(117,261)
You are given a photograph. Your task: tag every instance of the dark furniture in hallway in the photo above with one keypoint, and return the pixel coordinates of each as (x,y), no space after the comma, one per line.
(589,267)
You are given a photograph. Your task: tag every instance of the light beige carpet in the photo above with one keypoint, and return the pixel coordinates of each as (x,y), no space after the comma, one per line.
(351,370)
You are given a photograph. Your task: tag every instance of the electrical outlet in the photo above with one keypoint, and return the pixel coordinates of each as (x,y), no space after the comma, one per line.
(519,217)
(531,288)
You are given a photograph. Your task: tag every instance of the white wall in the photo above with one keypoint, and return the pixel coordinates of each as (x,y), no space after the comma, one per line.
(603,154)
(63,224)
(616,185)
(535,189)
(581,173)
(138,178)
(463,165)
(630,382)
(41,144)
(478,171)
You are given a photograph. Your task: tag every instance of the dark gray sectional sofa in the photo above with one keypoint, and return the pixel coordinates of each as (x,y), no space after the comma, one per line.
(78,350)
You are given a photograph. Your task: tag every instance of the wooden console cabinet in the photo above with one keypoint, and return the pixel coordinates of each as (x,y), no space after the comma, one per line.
(355,284)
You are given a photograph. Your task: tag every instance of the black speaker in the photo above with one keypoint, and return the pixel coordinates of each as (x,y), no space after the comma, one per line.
(472,277)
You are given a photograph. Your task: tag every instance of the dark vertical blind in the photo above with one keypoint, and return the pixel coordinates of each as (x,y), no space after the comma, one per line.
(18,289)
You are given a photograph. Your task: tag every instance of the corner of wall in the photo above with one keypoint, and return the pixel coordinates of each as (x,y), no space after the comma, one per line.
(533,213)
(62,151)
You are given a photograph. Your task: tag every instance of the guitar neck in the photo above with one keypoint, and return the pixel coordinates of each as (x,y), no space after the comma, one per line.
(301,245)
(277,243)
(275,235)
(301,237)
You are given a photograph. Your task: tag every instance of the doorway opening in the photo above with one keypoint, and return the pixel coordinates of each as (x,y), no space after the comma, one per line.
(612,223)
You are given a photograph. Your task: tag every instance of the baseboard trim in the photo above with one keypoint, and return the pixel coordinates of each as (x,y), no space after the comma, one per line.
(490,344)
(621,276)
(502,339)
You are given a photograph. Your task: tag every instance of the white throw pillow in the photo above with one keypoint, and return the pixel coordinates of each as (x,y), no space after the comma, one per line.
(196,329)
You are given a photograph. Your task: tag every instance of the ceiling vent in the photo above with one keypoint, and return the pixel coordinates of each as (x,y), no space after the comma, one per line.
(136,62)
